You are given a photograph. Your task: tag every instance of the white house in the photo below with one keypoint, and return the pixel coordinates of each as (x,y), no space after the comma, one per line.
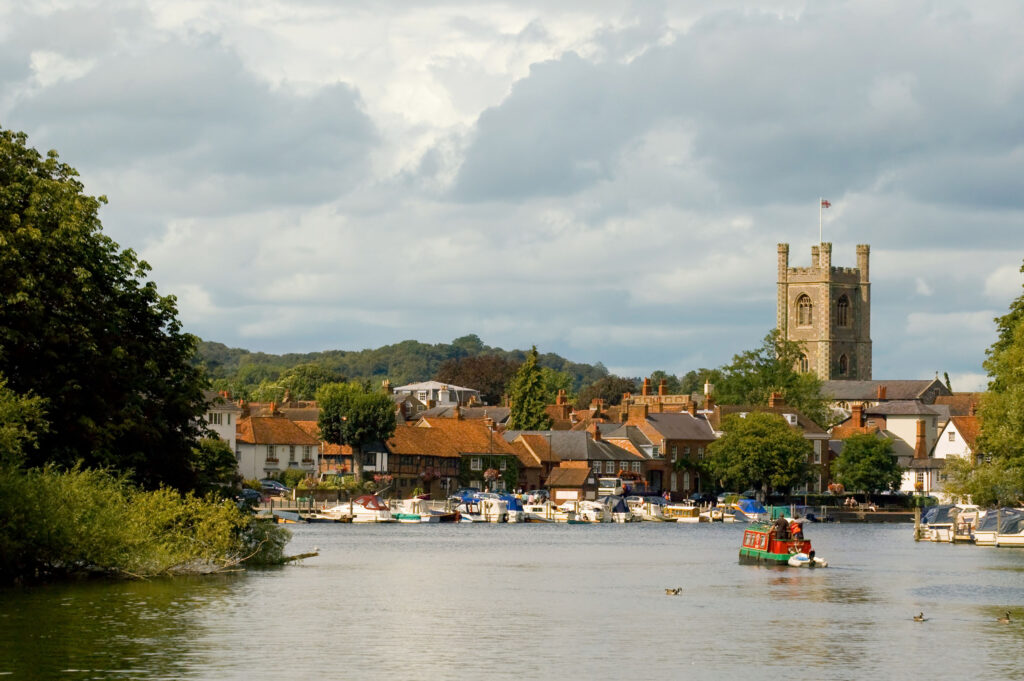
(222,416)
(958,438)
(268,444)
(434,393)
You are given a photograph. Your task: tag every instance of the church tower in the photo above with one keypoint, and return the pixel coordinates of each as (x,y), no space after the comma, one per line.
(828,309)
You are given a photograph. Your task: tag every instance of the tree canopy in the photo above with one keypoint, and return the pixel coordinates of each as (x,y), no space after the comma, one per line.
(609,389)
(867,464)
(352,414)
(528,397)
(490,374)
(760,451)
(754,375)
(82,329)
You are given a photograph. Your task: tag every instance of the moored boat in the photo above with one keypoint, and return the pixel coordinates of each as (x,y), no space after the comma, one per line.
(995,521)
(749,511)
(1011,533)
(774,544)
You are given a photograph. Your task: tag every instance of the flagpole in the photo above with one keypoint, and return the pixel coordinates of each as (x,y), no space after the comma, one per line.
(819,219)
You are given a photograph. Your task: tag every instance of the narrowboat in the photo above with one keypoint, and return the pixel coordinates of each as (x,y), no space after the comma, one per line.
(768,544)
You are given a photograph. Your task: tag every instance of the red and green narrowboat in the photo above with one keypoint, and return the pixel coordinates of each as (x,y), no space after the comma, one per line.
(767,544)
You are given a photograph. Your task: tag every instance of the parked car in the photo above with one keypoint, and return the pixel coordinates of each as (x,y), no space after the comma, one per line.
(274,487)
(249,497)
(703,498)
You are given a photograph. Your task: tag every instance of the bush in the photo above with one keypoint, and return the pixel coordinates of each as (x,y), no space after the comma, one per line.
(96,522)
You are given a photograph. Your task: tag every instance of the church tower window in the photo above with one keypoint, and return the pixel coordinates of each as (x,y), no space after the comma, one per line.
(844,365)
(843,311)
(805,364)
(804,310)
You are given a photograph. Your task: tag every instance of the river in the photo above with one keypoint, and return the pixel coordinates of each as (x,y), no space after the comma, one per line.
(541,601)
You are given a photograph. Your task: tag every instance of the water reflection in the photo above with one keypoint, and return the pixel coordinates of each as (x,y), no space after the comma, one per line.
(523,602)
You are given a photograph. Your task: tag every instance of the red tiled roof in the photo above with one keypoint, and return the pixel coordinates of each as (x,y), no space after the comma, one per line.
(272,430)
(969,427)
(448,438)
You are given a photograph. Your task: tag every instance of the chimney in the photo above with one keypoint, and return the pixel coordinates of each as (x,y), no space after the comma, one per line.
(920,448)
(561,396)
(857,417)
(273,408)
(646,389)
(597,433)
(691,408)
(709,402)
(627,397)
(638,412)
(457,413)
(599,406)
(489,422)
(708,388)
(881,392)
(776,400)
(385,386)
(662,387)
(972,410)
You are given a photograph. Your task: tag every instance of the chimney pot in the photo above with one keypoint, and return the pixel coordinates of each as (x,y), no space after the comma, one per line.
(662,386)
(881,392)
(646,389)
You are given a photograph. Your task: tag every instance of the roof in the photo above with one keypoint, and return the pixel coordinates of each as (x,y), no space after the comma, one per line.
(272,430)
(894,390)
(676,426)
(539,445)
(568,477)
(432,385)
(969,428)
(807,425)
(574,445)
(903,408)
(301,413)
(629,438)
(219,402)
(448,438)
(498,414)
(960,403)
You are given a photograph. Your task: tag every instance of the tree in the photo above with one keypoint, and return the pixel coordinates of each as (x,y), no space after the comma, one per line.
(81,328)
(302,381)
(609,389)
(760,451)
(754,375)
(489,374)
(352,414)
(555,381)
(672,384)
(1002,407)
(993,483)
(22,420)
(527,397)
(214,466)
(867,464)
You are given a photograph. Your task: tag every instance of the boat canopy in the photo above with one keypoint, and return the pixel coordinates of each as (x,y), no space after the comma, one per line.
(371,502)
(1013,525)
(937,515)
(618,505)
(749,506)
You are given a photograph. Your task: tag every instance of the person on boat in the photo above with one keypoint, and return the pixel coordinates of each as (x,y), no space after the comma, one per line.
(796,529)
(781,528)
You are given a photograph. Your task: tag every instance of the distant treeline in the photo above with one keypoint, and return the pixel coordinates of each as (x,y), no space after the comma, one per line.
(244,372)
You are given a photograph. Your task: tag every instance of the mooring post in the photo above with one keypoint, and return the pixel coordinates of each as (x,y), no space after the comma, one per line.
(917,523)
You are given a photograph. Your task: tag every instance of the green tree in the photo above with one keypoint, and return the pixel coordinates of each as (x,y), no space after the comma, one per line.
(1002,407)
(215,467)
(672,384)
(490,374)
(22,419)
(693,381)
(81,328)
(352,414)
(867,464)
(760,451)
(609,389)
(527,397)
(993,483)
(302,381)
(754,375)
(555,381)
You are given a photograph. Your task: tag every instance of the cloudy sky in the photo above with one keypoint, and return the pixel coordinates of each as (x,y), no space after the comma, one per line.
(607,180)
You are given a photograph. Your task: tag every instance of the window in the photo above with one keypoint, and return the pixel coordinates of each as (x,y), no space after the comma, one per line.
(636,466)
(291,452)
(686,481)
(623,465)
(609,467)
(475,464)
(805,364)
(214,419)
(675,451)
(656,450)
(686,451)
(502,464)
(804,311)
(422,396)
(271,454)
(817,455)
(700,453)
(307,454)
(229,419)
(843,311)
(844,365)
(597,467)
(952,436)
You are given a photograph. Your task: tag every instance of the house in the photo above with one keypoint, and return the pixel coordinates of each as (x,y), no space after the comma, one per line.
(673,444)
(843,394)
(499,415)
(572,482)
(959,438)
(580,449)
(820,458)
(222,415)
(433,393)
(270,443)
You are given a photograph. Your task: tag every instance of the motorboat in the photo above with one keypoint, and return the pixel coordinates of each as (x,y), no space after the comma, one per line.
(368,508)
(619,510)
(682,513)
(483,510)
(989,527)
(749,511)
(773,544)
(415,510)
(1011,533)
(946,521)
(647,508)
(542,512)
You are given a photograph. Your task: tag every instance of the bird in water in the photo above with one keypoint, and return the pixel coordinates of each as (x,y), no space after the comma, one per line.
(1004,620)
(919,617)
(674,592)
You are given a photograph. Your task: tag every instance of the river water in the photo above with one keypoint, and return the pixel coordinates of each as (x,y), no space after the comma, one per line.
(541,601)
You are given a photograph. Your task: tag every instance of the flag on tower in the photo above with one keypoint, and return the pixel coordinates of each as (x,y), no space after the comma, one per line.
(825,203)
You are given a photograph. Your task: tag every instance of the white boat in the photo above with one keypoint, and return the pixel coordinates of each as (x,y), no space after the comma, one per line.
(805,560)
(593,512)
(1011,533)
(368,508)
(647,508)
(987,530)
(948,521)
(543,512)
(715,514)
(415,510)
(483,511)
